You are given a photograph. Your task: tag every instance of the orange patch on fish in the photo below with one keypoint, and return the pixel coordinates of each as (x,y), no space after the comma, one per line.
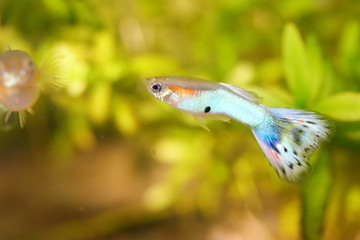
(276,156)
(273,154)
(184,91)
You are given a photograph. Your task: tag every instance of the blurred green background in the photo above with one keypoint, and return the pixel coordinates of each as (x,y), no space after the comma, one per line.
(103,159)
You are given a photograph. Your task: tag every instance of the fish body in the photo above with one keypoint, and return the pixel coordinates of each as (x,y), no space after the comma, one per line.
(21,81)
(288,137)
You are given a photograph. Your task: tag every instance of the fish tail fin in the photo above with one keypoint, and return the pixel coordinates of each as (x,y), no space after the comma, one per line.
(53,77)
(291,138)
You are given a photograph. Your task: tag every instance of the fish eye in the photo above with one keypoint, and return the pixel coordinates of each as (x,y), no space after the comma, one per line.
(156,87)
(29,64)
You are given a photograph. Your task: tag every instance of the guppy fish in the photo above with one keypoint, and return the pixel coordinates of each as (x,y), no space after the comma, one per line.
(20,83)
(287,137)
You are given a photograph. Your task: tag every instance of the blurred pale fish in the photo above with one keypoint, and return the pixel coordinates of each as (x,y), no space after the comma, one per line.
(21,82)
(288,137)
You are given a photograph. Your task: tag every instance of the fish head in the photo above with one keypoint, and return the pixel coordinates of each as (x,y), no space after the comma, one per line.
(159,87)
(17,69)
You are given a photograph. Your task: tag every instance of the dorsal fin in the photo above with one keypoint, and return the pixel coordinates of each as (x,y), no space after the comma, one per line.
(248,95)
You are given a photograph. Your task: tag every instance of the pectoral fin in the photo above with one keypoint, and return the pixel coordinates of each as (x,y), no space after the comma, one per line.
(202,122)
(217,117)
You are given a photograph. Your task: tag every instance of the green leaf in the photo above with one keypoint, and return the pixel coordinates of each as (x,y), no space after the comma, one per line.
(296,64)
(349,53)
(315,198)
(349,46)
(344,106)
(331,83)
(317,68)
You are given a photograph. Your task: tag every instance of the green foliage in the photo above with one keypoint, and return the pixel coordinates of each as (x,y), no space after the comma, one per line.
(306,76)
(344,106)
(296,64)
(349,52)
(316,193)
(296,54)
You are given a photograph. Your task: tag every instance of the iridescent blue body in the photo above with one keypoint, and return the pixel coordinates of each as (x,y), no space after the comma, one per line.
(224,102)
(287,136)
